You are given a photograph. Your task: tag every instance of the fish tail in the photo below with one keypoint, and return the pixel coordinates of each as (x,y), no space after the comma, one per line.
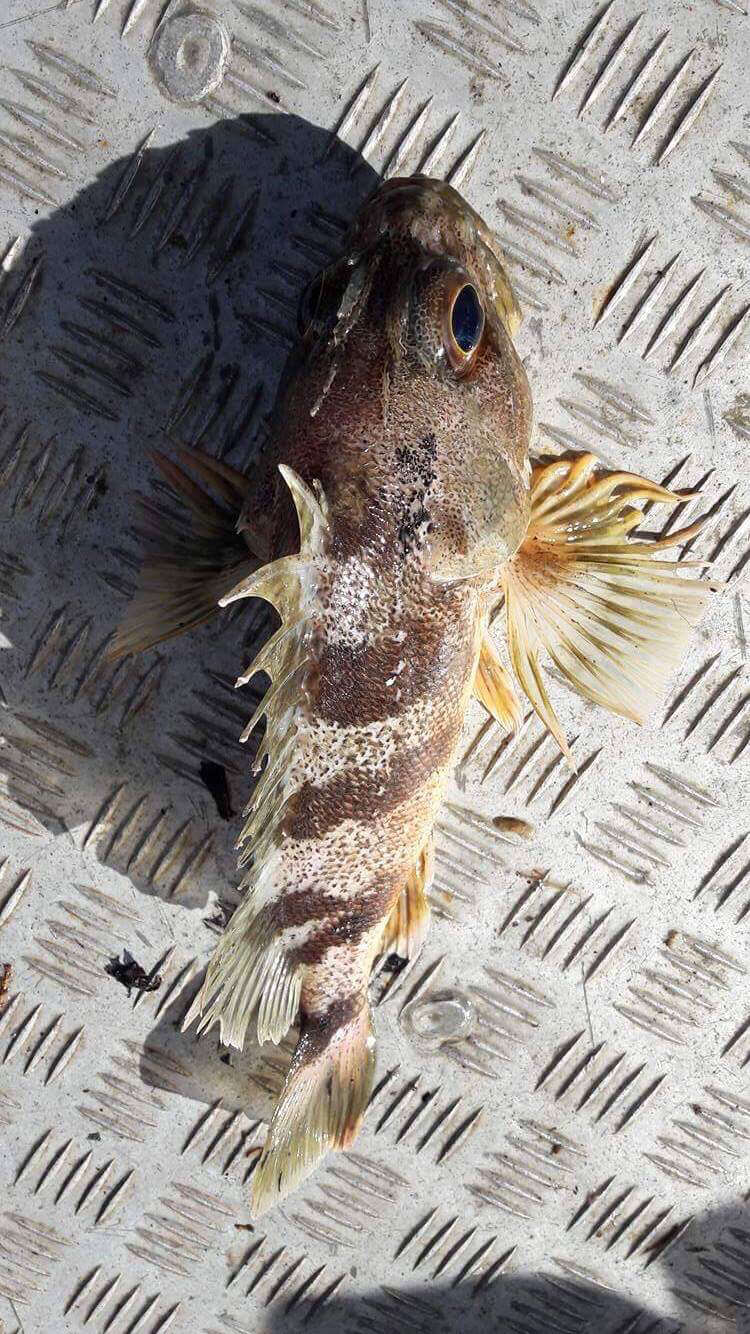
(194,554)
(614,618)
(323,1100)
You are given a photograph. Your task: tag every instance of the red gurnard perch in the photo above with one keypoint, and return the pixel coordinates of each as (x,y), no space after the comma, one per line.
(401,433)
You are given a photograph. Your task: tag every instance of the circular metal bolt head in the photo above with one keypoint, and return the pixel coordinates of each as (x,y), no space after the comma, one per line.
(445,1016)
(189,56)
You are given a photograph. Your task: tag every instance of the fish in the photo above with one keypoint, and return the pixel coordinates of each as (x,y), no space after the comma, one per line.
(395,508)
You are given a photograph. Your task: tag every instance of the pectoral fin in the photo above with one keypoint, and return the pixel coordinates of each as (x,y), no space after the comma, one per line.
(193,553)
(493,687)
(614,618)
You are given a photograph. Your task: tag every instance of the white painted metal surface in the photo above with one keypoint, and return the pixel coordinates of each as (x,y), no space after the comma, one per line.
(578,1159)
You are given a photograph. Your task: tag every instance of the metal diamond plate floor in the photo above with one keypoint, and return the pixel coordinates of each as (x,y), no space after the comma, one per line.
(577,1156)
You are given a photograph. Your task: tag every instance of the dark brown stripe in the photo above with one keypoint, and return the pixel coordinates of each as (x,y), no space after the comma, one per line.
(343,926)
(355,794)
(318,1030)
(303,905)
(343,921)
(384,678)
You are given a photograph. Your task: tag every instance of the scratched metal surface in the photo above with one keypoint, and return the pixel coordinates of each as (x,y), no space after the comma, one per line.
(578,1157)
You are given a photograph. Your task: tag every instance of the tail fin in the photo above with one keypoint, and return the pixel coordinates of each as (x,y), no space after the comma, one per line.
(615,621)
(322,1102)
(193,556)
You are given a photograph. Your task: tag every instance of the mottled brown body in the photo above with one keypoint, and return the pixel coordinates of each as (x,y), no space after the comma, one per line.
(401,435)
(394,442)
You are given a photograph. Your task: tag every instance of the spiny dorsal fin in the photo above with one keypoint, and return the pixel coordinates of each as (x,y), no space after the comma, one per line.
(311,507)
(493,687)
(281,582)
(248,971)
(615,620)
(277,583)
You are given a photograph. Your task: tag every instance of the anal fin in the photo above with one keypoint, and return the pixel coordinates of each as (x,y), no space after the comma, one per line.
(406,927)
(614,618)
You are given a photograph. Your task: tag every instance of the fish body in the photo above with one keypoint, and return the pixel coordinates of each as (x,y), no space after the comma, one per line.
(397,506)
(396,601)
(392,650)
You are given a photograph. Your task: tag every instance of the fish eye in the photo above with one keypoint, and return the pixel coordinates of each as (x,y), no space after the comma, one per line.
(467,319)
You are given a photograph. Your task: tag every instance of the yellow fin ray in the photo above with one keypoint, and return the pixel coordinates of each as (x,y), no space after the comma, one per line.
(615,621)
(193,554)
(493,687)
(407,926)
(230,484)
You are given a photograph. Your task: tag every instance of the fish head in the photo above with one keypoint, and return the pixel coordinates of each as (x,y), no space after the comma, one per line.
(411,336)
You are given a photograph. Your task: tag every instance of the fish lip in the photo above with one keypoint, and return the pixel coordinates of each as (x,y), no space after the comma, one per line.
(440,222)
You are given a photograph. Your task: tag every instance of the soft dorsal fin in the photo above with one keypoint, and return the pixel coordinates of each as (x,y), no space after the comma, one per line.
(249,970)
(408,923)
(613,619)
(493,687)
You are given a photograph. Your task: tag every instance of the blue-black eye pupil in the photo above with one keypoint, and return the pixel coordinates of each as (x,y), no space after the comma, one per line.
(466,319)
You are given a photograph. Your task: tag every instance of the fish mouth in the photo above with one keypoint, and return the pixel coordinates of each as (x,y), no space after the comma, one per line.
(421,205)
(399,187)
(431,216)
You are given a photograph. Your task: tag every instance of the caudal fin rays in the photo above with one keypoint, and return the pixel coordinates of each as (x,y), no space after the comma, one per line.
(321,1106)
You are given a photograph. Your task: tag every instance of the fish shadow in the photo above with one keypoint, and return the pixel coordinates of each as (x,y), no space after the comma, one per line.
(155,309)
(703,1265)
(555,1301)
